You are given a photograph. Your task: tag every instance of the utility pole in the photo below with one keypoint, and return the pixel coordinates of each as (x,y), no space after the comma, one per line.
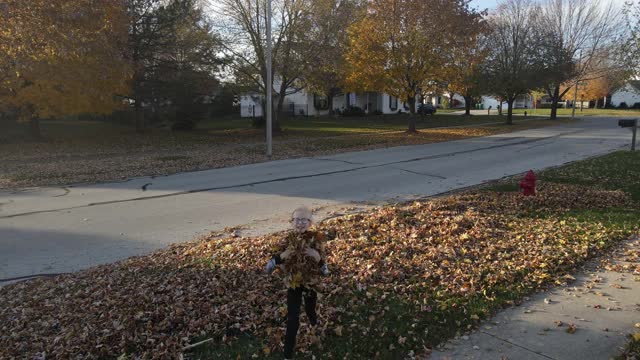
(575,97)
(575,94)
(268,84)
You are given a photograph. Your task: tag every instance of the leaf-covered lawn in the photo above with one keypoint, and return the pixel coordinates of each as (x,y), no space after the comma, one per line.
(96,152)
(405,278)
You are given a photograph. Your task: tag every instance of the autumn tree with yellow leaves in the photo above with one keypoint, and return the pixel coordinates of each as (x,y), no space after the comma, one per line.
(325,58)
(402,46)
(62,58)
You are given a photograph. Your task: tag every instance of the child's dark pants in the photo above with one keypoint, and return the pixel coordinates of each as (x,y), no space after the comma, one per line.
(294,300)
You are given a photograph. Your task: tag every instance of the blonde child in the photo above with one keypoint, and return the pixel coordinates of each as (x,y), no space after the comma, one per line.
(302,257)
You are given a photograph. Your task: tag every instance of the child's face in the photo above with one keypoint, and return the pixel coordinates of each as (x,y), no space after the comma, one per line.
(300,222)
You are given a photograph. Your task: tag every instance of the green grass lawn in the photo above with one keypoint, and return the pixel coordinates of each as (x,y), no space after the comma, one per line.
(227,128)
(619,170)
(78,136)
(446,111)
(584,112)
(632,351)
(326,125)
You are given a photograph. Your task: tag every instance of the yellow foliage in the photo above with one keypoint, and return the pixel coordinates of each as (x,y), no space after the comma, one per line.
(401,47)
(389,48)
(63,57)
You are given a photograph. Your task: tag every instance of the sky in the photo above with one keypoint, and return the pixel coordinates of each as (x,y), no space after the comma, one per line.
(490,4)
(484,4)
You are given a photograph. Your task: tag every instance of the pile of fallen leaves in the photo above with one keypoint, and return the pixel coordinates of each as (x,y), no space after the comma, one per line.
(425,253)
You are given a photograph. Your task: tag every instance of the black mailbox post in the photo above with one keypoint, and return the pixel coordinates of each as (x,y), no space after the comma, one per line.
(632,123)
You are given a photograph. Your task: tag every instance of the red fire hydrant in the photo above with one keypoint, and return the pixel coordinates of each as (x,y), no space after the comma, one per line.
(528,184)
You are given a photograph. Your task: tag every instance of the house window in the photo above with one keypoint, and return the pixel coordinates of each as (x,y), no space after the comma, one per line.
(351,100)
(393,103)
(320,102)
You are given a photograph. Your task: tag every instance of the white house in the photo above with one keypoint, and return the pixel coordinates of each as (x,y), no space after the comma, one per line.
(251,105)
(370,102)
(629,94)
(436,100)
(521,102)
(305,104)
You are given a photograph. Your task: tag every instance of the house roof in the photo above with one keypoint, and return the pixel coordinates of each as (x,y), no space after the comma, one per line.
(635,84)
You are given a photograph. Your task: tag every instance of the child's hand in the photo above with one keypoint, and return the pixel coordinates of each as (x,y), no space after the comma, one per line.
(312,253)
(325,270)
(271,265)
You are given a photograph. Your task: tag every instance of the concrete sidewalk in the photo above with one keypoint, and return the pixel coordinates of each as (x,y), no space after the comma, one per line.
(604,307)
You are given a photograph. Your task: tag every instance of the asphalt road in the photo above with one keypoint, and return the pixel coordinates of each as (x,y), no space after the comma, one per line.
(61,229)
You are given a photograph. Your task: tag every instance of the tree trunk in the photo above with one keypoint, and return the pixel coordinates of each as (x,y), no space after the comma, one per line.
(139,117)
(554,103)
(330,102)
(467,105)
(34,129)
(510,110)
(412,124)
(275,123)
(411,100)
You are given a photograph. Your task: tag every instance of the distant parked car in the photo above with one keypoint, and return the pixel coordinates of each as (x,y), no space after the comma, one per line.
(426,109)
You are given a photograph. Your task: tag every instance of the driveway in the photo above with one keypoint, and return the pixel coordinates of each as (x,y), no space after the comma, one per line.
(62,229)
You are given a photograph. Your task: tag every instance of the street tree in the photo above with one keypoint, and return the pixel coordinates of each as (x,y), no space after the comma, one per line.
(467,51)
(631,47)
(510,69)
(184,75)
(397,48)
(599,83)
(325,61)
(571,36)
(243,29)
(153,28)
(61,58)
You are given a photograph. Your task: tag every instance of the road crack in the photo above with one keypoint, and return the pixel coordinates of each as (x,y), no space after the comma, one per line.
(517,345)
(297,177)
(419,173)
